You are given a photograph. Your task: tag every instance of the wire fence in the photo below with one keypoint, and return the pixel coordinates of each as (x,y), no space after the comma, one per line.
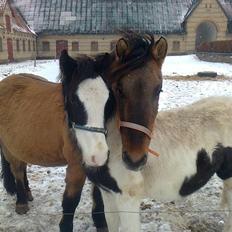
(131,212)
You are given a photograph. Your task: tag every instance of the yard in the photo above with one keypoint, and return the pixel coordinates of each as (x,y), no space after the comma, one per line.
(198,213)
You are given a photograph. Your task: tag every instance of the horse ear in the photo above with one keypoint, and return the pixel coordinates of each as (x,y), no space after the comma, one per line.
(67,64)
(160,50)
(121,48)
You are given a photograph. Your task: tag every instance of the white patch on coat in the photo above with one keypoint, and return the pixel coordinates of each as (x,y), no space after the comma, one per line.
(94,94)
(178,136)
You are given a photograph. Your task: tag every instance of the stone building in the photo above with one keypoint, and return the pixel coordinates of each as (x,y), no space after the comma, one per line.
(17,40)
(90,26)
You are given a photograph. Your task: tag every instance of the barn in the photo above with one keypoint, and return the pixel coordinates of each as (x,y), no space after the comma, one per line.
(90,26)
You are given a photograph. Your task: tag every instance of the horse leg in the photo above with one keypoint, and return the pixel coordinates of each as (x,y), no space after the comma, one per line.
(98,214)
(18,169)
(75,179)
(128,203)
(111,211)
(7,175)
(13,174)
(26,182)
(227,200)
(128,207)
(225,173)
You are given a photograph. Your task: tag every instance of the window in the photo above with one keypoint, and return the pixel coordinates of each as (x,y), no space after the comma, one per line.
(46,46)
(176,45)
(94,46)
(24,46)
(17,45)
(112,45)
(1,47)
(75,46)
(29,45)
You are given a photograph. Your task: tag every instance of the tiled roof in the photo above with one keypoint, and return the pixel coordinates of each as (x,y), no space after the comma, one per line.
(227,8)
(104,16)
(18,23)
(2,5)
(108,16)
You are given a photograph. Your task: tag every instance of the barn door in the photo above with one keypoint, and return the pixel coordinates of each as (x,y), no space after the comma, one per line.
(10,49)
(60,46)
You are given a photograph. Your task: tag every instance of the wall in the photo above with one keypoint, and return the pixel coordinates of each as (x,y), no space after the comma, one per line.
(207,10)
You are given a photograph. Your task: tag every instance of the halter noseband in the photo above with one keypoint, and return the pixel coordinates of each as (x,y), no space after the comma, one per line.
(90,129)
(140,128)
(137,127)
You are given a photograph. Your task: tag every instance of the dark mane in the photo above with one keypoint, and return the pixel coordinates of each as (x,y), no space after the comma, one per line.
(73,72)
(139,52)
(83,67)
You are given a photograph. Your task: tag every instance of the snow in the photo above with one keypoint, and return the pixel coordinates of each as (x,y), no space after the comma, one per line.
(186,65)
(191,65)
(198,212)
(48,69)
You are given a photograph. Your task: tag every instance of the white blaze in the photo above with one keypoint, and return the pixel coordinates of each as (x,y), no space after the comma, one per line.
(93,93)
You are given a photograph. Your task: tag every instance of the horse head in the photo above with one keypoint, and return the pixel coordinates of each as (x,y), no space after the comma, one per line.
(85,97)
(133,74)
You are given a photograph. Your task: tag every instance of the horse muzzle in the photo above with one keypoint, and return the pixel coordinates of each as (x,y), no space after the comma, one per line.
(131,165)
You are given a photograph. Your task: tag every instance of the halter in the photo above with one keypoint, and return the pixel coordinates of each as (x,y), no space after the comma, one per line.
(140,128)
(137,127)
(90,129)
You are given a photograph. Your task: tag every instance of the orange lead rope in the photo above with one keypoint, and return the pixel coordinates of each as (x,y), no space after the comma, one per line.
(153,152)
(141,128)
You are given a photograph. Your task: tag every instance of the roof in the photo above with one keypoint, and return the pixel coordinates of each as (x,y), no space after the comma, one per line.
(104,16)
(18,23)
(108,16)
(2,5)
(227,8)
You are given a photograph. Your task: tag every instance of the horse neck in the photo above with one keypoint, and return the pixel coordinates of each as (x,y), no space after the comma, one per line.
(178,129)
(114,139)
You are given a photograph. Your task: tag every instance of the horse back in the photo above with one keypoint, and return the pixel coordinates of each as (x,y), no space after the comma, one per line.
(33,124)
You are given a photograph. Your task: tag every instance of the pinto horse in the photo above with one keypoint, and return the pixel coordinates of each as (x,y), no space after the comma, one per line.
(194,143)
(53,124)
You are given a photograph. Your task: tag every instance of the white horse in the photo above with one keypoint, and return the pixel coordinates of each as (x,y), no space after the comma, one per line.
(194,143)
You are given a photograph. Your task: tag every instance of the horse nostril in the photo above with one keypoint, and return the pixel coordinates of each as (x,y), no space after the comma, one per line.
(135,166)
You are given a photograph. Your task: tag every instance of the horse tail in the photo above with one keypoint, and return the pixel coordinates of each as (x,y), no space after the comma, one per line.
(7,175)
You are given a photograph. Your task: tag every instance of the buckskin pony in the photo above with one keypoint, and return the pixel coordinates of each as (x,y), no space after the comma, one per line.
(53,124)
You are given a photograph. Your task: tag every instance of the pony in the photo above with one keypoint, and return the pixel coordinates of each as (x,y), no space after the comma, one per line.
(194,143)
(53,124)
(133,75)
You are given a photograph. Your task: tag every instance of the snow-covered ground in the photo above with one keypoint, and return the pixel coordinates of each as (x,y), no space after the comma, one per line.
(186,65)
(198,213)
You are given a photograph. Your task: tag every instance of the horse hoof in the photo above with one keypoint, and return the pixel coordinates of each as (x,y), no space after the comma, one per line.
(21,208)
(102,229)
(29,196)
